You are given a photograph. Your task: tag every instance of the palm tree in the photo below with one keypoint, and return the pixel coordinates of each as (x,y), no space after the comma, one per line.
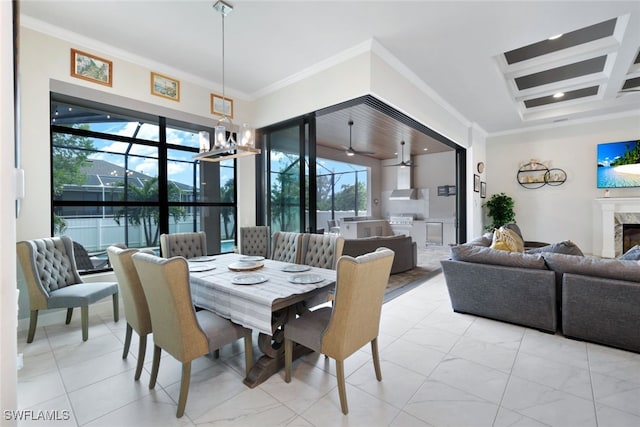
(147,216)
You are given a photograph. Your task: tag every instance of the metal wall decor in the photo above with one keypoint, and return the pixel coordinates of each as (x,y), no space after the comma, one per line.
(535,174)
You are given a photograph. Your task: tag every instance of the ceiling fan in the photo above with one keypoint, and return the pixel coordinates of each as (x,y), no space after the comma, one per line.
(351,151)
(402,163)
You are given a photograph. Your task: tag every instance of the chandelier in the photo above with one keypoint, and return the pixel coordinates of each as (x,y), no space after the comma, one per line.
(225,143)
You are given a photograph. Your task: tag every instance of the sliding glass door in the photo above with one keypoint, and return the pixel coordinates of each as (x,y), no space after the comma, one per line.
(288,186)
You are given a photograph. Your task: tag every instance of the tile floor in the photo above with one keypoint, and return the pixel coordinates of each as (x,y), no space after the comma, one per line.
(439,368)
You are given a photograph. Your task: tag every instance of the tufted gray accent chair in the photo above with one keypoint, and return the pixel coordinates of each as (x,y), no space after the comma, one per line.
(321,250)
(188,245)
(255,240)
(287,246)
(49,269)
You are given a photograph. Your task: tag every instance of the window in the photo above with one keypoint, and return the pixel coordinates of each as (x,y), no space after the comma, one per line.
(126,177)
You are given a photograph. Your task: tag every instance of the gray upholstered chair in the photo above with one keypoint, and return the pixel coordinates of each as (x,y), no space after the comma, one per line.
(177,327)
(334,226)
(188,245)
(136,309)
(53,281)
(255,240)
(352,322)
(321,250)
(287,246)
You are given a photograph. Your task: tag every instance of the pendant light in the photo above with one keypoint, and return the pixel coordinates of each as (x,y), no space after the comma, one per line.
(225,147)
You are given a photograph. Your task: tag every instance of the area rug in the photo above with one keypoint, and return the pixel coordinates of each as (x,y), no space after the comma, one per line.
(428,266)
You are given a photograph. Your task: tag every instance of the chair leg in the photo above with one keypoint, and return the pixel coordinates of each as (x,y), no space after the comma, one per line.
(127,341)
(248,353)
(69,314)
(184,388)
(116,307)
(84,313)
(376,358)
(156,365)
(342,390)
(288,359)
(142,349)
(33,322)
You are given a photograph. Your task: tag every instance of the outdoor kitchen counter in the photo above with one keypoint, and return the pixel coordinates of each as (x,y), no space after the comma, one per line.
(365,228)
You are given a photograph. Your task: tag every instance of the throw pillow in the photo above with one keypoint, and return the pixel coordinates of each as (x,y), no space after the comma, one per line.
(632,254)
(566,247)
(507,240)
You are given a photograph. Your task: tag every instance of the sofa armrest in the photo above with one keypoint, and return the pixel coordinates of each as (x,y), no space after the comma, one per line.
(601,310)
(517,295)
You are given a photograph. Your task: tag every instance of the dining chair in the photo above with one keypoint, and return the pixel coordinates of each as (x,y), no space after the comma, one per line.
(136,309)
(177,328)
(255,240)
(334,226)
(52,280)
(352,321)
(188,245)
(321,250)
(287,246)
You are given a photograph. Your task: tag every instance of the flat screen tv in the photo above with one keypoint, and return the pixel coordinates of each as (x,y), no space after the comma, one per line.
(619,164)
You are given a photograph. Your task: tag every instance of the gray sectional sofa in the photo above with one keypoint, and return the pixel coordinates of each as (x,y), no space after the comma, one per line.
(584,297)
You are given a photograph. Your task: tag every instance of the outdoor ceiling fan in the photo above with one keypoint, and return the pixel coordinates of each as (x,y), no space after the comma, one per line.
(402,163)
(351,151)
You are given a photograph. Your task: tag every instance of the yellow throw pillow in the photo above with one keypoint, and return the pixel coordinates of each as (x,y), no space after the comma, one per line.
(507,240)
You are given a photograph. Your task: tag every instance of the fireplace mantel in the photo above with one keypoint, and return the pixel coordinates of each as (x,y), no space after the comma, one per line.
(605,213)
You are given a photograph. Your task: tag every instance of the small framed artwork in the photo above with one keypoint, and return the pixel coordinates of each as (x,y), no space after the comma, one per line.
(165,87)
(476,183)
(90,67)
(221,106)
(483,189)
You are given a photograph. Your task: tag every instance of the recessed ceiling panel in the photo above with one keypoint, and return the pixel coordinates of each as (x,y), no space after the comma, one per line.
(631,83)
(566,72)
(571,39)
(573,94)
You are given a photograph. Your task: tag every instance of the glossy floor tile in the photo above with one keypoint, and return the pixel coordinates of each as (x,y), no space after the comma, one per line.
(439,368)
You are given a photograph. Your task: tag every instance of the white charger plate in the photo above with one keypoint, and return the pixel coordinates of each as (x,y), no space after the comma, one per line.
(296,268)
(252,258)
(202,258)
(201,268)
(249,279)
(245,266)
(305,279)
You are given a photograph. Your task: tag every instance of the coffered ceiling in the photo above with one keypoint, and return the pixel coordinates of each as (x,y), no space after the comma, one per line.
(491,62)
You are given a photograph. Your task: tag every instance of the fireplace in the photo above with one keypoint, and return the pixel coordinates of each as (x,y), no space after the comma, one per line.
(611,215)
(630,236)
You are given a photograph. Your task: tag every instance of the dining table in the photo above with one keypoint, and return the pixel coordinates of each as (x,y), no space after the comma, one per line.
(260,294)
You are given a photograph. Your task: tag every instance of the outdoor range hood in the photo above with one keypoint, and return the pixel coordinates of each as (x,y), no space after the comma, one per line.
(404,190)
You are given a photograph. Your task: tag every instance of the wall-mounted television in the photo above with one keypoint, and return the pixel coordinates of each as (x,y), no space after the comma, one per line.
(619,164)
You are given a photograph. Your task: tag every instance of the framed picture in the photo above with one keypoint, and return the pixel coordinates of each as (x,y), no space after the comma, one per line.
(476,183)
(165,87)
(483,189)
(90,67)
(221,106)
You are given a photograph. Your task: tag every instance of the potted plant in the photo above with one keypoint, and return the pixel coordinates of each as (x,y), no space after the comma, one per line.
(500,210)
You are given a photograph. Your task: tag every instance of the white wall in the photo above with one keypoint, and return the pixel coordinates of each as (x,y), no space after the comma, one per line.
(8,343)
(552,214)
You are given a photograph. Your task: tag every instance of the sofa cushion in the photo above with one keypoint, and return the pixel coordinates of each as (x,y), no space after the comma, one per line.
(507,240)
(632,254)
(593,266)
(566,247)
(484,240)
(482,255)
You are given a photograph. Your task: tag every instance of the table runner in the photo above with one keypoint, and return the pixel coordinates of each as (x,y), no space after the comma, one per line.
(249,305)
